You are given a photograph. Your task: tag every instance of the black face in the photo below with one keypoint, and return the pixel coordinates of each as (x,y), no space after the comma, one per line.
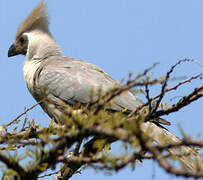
(19,47)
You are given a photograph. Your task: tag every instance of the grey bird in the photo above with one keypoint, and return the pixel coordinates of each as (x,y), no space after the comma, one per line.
(67,80)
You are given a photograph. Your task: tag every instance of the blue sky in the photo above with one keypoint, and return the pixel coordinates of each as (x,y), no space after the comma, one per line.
(120,36)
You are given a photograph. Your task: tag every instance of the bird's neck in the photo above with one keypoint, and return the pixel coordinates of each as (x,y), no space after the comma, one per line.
(30,68)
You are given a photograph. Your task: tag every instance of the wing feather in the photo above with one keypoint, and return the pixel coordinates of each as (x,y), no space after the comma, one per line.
(73,80)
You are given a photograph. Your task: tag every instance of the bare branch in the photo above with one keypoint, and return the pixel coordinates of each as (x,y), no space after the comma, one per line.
(186,100)
(19,116)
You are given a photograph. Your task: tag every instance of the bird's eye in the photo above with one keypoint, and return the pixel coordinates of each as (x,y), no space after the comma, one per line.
(21,40)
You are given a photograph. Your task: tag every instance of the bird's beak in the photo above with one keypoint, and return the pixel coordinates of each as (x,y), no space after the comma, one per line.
(16,49)
(12,51)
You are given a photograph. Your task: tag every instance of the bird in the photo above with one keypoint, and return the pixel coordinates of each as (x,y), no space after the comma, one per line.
(66,80)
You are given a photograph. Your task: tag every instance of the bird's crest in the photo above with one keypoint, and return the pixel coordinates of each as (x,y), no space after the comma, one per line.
(37,19)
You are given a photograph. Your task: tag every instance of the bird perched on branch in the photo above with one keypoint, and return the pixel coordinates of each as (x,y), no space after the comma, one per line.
(66,80)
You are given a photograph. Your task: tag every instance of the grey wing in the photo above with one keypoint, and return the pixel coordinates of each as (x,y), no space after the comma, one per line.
(72,81)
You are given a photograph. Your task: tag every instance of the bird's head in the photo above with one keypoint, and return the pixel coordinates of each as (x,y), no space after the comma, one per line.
(33,38)
(20,46)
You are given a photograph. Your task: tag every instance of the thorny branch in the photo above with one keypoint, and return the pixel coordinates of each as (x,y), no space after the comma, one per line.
(89,133)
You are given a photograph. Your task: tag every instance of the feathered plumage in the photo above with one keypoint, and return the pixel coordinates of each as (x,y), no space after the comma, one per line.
(38,19)
(69,80)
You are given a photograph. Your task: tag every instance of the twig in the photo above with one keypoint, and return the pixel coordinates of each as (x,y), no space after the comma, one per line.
(166,90)
(170,169)
(19,116)
(50,174)
(164,85)
(144,73)
(148,97)
(196,94)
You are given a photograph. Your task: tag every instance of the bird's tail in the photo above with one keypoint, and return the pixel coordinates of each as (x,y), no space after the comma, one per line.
(188,156)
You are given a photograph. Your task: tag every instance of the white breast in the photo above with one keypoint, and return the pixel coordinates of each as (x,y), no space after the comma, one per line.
(30,67)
